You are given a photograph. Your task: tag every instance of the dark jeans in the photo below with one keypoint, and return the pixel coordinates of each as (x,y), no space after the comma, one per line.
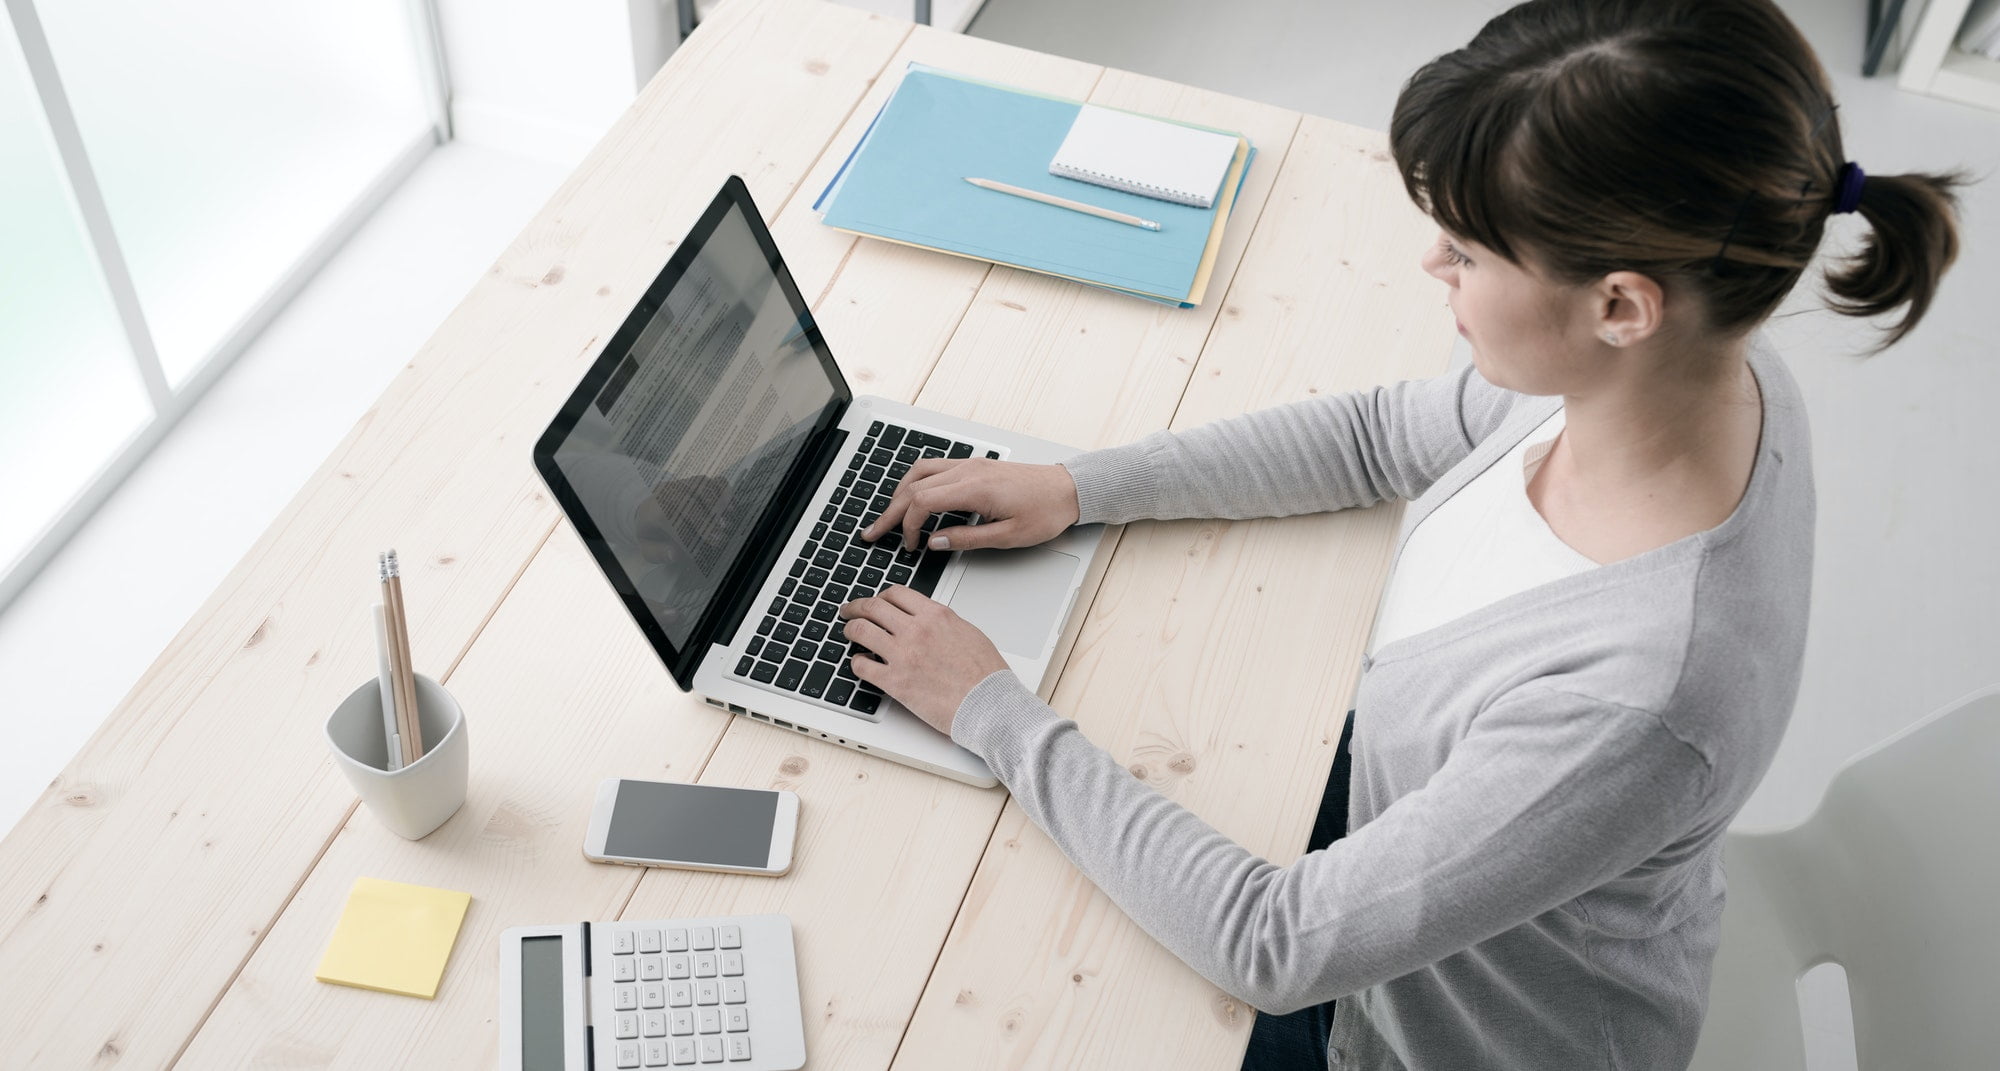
(1297,1042)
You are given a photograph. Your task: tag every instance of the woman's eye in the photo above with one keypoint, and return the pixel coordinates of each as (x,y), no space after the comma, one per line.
(1451,254)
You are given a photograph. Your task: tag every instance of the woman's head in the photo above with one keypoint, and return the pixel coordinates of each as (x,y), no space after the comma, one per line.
(1680,152)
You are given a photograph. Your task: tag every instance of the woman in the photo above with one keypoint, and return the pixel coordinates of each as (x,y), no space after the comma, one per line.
(1590,644)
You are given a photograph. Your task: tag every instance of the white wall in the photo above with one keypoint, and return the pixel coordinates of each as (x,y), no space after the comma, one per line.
(539,77)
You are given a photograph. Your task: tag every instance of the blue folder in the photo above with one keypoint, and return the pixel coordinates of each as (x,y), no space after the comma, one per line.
(906,182)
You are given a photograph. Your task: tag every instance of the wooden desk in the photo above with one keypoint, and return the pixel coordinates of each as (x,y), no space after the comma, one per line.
(166,900)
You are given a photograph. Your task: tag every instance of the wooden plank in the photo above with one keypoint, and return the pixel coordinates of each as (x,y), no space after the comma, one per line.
(516,846)
(1218,659)
(891,851)
(137,887)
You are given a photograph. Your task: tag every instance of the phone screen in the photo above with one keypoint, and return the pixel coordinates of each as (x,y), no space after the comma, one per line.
(692,824)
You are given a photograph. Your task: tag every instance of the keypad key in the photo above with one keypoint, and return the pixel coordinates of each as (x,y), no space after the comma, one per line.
(708,1020)
(736,1020)
(764,672)
(628,1054)
(628,1025)
(656,1024)
(624,969)
(706,992)
(732,991)
(790,676)
(819,530)
(622,943)
(711,1050)
(703,939)
(656,1053)
(624,998)
(651,969)
(732,964)
(677,939)
(682,1022)
(677,966)
(732,936)
(816,680)
(865,700)
(653,995)
(840,690)
(959,450)
(683,1050)
(739,1047)
(679,994)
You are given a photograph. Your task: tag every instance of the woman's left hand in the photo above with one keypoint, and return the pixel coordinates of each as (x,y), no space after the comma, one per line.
(925,656)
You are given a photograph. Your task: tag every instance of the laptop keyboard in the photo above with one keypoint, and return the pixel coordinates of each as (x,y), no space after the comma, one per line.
(801,643)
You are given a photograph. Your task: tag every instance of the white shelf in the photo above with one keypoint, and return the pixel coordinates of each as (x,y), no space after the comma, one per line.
(1932,66)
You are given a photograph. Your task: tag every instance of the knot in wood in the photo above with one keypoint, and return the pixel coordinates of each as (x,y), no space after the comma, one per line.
(793,766)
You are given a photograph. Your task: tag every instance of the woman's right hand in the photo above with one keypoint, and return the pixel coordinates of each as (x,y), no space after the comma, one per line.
(1019,504)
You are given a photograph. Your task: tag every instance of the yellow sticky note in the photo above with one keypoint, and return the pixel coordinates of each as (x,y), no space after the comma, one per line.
(393,937)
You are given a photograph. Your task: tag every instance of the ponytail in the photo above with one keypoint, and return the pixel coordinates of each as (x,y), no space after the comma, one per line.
(1915,239)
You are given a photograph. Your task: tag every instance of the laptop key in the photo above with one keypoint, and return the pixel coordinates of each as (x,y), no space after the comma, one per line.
(826,559)
(853,505)
(878,504)
(993,455)
(838,692)
(816,578)
(959,450)
(796,614)
(928,572)
(847,477)
(814,630)
(808,596)
(908,454)
(872,474)
(832,652)
(805,650)
(764,672)
(743,667)
(897,470)
(788,587)
(838,633)
(891,436)
(827,514)
(844,574)
(844,523)
(866,699)
(826,611)
(785,634)
(798,566)
(765,626)
(817,679)
(854,556)
(899,574)
(881,457)
(777,605)
(875,429)
(790,676)
(756,645)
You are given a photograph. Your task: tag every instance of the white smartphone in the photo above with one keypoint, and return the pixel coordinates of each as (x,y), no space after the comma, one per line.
(693,827)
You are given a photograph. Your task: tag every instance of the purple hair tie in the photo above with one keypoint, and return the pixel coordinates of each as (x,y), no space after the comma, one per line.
(1849,181)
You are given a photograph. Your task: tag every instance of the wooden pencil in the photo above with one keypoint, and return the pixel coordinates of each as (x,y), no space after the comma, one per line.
(414,742)
(398,667)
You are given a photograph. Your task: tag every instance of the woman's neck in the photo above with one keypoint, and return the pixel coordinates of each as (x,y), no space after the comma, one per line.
(1647,457)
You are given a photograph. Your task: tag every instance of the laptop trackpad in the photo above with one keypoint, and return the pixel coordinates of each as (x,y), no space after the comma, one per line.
(1016,597)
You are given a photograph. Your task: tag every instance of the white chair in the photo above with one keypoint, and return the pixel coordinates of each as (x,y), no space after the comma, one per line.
(1893,877)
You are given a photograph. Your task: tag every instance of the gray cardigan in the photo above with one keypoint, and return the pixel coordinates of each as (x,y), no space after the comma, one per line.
(1532,873)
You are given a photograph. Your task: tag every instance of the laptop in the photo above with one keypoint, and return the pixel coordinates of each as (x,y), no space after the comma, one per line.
(720,470)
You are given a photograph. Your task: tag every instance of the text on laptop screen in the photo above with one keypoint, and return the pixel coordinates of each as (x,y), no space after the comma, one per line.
(690,438)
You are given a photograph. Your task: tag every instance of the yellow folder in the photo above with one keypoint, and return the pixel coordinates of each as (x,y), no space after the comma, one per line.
(393,937)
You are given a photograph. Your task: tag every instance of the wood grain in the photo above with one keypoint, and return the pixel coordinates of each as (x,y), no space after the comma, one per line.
(1219,657)
(134,890)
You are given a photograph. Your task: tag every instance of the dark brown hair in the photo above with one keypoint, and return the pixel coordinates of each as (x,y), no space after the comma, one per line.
(1693,141)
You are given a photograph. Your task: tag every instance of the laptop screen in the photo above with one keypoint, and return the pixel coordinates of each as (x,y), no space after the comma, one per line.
(692,418)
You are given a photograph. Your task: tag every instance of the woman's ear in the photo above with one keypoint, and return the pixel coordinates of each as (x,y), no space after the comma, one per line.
(1629,307)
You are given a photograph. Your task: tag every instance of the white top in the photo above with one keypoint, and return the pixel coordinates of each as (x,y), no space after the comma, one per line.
(1483,544)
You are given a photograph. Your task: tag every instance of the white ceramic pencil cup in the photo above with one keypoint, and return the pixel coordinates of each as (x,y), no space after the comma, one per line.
(419,797)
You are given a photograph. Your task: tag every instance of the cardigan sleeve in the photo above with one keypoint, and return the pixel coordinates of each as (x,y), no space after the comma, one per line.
(1548,796)
(1334,452)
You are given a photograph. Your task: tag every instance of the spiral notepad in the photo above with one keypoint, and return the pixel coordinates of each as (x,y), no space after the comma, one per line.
(1145,156)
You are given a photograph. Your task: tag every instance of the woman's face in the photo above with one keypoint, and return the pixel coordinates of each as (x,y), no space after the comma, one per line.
(1526,333)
